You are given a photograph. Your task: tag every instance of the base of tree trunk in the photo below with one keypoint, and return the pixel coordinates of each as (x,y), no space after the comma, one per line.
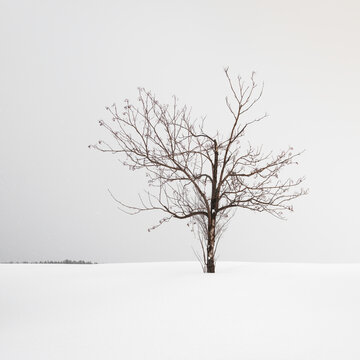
(210,266)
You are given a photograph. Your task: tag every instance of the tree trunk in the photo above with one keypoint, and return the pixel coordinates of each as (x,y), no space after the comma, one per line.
(210,266)
(210,263)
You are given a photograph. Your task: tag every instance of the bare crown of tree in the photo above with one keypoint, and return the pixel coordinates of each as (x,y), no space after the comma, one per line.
(193,175)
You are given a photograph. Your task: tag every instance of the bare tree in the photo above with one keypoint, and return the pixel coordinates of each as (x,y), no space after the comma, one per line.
(195,176)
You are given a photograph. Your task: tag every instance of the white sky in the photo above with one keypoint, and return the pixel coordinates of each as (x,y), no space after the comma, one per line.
(62,62)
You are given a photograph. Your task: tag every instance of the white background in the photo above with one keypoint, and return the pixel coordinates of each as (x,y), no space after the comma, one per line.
(62,62)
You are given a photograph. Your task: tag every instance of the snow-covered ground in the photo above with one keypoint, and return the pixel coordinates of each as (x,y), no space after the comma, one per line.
(171,311)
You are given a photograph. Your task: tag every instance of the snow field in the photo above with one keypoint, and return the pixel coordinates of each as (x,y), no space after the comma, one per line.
(172,311)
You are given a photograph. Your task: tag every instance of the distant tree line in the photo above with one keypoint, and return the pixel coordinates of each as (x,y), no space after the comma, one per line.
(67,261)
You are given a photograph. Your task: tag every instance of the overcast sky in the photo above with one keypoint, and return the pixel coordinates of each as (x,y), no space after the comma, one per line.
(63,61)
